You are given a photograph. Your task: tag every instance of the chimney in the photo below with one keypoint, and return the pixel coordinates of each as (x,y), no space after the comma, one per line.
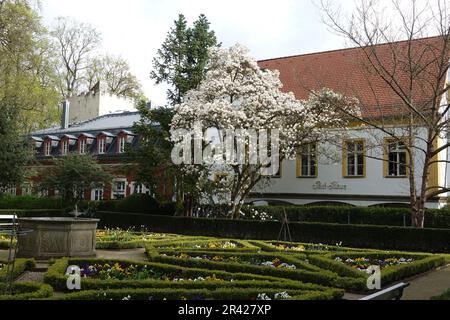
(65,114)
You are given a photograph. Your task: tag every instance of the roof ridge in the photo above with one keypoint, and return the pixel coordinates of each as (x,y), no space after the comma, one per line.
(342,49)
(74,125)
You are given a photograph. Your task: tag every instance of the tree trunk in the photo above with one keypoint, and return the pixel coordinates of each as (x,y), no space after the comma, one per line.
(236,210)
(418,215)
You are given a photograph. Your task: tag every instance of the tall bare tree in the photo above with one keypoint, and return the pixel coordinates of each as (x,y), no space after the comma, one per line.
(115,72)
(415,72)
(76,42)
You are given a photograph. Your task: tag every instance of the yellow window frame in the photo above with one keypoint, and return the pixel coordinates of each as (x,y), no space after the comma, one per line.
(299,164)
(345,159)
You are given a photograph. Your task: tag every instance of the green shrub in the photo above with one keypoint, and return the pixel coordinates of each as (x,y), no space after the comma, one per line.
(29,202)
(27,291)
(21,265)
(305,272)
(137,203)
(30,213)
(198,294)
(422,263)
(434,218)
(444,296)
(55,276)
(359,236)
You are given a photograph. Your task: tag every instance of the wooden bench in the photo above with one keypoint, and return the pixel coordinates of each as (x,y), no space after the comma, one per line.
(391,293)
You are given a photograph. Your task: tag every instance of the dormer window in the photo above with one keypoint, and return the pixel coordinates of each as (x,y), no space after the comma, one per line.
(47,148)
(122,144)
(101,145)
(65,147)
(124,137)
(50,142)
(104,140)
(82,146)
(85,140)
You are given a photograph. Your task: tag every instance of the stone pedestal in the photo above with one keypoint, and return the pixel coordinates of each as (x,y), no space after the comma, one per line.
(57,238)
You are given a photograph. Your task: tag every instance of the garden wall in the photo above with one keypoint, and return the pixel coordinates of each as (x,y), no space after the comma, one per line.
(376,237)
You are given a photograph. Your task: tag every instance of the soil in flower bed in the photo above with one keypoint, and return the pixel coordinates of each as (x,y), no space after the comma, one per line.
(362,263)
(120,271)
(255,261)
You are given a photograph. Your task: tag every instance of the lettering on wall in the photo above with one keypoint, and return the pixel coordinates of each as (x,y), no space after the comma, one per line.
(319,185)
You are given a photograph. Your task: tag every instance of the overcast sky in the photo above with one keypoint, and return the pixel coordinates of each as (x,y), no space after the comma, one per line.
(135,29)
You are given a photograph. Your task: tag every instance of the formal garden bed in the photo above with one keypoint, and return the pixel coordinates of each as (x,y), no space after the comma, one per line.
(129,239)
(197,268)
(252,294)
(165,281)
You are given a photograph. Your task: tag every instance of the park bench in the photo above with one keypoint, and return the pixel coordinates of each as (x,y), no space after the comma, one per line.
(391,293)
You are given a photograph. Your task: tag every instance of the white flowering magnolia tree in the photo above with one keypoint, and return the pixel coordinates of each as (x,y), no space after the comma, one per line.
(237,95)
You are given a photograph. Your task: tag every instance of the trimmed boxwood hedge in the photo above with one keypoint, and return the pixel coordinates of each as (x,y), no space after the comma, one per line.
(137,203)
(29,202)
(56,277)
(444,296)
(359,236)
(242,245)
(21,265)
(28,213)
(27,291)
(183,294)
(422,263)
(307,273)
(401,217)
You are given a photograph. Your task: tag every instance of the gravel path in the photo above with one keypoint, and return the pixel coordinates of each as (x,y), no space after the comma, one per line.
(30,276)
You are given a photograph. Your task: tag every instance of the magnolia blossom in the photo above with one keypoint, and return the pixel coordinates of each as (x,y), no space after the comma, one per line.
(237,94)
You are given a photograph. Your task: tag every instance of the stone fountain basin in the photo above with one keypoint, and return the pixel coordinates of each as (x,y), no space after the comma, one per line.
(57,238)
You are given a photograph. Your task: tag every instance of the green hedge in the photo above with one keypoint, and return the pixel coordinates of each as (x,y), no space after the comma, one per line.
(434,218)
(219,294)
(29,202)
(27,213)
(202,245)
(137,203)
(422,263)
(305,272)
(444,296)
(359,236)
(27,291)
(21,265)
(55,276)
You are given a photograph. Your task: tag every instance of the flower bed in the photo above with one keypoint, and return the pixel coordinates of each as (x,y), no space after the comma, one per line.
(295,247)
(202,294)
(4,242)
(128,239)
(102,274)
(263,264)
(395,266)
(205,244)
(249,260)
(362,263)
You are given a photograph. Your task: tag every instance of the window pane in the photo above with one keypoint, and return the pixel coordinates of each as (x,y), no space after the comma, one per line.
(313,167)
(351,164)
(402,164)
